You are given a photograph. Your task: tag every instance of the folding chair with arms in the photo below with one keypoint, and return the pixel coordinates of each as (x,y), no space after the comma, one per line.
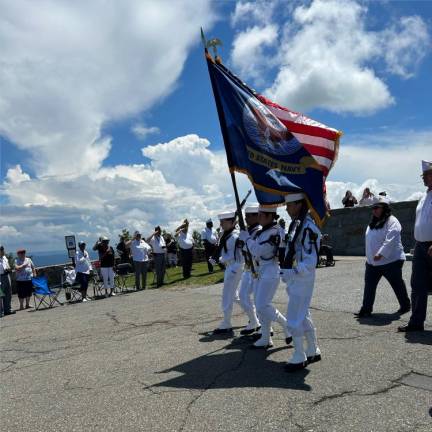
(43,295)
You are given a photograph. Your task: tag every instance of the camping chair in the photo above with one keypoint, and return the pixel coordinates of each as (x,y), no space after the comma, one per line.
(43,295)
(122,272)
(96,280)
(71,287)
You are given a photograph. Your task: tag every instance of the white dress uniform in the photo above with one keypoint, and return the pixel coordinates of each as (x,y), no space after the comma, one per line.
(248,287)
(232,258)
(264,249)
(300,281)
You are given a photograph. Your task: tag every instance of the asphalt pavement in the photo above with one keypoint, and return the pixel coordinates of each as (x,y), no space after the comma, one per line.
(145,362)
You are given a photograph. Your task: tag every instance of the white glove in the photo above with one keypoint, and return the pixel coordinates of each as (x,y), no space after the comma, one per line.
(212,261)
(286,275)
(244,236)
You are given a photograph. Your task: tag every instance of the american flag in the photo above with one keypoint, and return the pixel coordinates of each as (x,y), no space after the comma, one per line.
(321,141)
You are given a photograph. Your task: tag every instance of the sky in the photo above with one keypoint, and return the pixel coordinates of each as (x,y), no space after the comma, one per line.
(107,119)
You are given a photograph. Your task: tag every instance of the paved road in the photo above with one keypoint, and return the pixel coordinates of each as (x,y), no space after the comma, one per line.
(142,362)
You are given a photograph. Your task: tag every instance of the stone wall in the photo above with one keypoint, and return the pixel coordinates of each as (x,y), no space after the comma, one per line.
(346,227)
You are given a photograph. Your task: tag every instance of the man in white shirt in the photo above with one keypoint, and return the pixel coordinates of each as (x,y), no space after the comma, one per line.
(140,254)
(157,242)
(209,239)
(186,243)
(421,277)
(5,282)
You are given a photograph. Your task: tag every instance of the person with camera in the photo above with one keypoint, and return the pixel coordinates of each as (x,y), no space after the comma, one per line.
(186,244)
(5,282)
(25,271)
(107,259)
(157,242)
(83,268)
(140,251)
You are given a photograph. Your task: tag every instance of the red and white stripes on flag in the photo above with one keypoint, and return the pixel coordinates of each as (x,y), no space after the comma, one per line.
(321,141)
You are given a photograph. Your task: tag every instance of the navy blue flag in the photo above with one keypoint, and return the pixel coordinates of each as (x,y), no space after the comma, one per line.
(281,151)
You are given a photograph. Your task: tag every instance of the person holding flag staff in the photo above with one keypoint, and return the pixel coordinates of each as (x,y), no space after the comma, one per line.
(298,272)
(264,249)
(248,280)
(231,257)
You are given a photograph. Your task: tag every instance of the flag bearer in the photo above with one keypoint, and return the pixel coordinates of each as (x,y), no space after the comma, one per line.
(264,249)
(298,272)
(231,257)
(247,292)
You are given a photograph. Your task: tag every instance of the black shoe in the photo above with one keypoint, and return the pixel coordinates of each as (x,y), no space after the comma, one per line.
(293,367)
(222,331)
(410,328)
(363,314)
(246,332)
(313,359)
(403,310)
(288,340)
(11,312)
(254,337)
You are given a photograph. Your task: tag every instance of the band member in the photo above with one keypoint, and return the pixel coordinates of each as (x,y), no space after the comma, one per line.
(298,272)
(231,257)
(186,243)
(421,277)
(209,238)
(157,242)
(248,280)
(264,249)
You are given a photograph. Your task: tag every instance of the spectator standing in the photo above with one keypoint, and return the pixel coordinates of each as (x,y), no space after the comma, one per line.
(171,251)
(107,259)
(140,251)
(209,238)
(327,250)
(368,198)
(25,271)
(384,257)
(5,282)
(123,251)
(83,268)
(421,277)
(186,243)
(349,200)
(157,242)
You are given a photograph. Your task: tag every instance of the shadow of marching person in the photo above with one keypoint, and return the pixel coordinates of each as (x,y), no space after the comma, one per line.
(379,319)
(234,366)
(421,337)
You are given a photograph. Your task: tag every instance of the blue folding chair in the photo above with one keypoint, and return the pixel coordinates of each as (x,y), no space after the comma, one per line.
(42,294)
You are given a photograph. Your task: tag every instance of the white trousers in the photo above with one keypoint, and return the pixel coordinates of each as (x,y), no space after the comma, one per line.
(230,293)
(299,320)
(247,302)
(108,277)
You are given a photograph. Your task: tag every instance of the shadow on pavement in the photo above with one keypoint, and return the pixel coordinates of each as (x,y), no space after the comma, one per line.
(379,319)
(237,368)
(424,337)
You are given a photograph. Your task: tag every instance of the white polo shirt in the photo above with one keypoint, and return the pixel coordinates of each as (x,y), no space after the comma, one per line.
(158,244)
(185,240)
(140,250)
(423,221)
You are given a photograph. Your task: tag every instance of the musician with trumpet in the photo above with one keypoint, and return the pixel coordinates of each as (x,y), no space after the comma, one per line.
(186,244)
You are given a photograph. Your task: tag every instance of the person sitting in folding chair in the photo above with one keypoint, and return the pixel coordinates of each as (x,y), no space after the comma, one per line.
(83,268)
(69,282)
(42,294)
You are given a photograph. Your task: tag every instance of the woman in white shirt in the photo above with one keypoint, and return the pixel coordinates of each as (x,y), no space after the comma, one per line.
(83,268)
(384,257)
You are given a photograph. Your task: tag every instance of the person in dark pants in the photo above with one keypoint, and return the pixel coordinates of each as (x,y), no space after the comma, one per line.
(5,282)
(209,238)
(157,242)
(384,258)
(421,276)
(185,242)
(327,250)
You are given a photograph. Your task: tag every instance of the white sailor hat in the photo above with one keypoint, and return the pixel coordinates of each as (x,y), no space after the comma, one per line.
(382,201)
(226,215)
(263,209)
(253,208)
(294,197)
(426,166)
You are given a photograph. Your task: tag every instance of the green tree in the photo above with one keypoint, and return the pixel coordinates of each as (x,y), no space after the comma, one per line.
(197,239)
(125,234)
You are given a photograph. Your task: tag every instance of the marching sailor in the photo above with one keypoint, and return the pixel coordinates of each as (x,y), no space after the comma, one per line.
(264,249)
(232,258)
(298,272)
(248,280)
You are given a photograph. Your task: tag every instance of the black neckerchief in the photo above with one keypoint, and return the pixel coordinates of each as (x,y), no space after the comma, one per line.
(252,227)
(224,238)
(294,230)
(266,227)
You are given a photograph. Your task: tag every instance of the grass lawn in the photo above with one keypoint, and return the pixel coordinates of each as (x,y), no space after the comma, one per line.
(174,277)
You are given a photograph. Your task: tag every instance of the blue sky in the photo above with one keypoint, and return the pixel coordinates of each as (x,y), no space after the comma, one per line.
(78,127)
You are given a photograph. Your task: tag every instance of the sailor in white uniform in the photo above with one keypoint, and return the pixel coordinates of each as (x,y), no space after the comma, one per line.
(231,257)
(298,272)
(247,292)
(264,249)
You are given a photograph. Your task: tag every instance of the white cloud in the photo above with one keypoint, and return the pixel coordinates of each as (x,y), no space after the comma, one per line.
(76,65)
(259,10)
(327,57)
(142,132)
